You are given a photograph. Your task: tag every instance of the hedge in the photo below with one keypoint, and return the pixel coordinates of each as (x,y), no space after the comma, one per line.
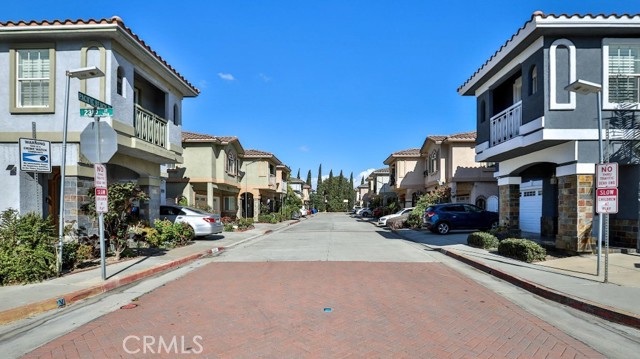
(482,240)
(522,249)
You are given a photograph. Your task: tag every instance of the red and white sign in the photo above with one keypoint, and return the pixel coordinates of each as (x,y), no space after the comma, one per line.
(100,181)
(607,200)
(607,175)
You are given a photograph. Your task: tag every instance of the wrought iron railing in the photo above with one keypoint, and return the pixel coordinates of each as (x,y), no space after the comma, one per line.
(150,127)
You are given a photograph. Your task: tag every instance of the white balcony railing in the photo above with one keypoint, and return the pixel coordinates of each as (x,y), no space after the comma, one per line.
(506,124)
(150,127)
(272,181)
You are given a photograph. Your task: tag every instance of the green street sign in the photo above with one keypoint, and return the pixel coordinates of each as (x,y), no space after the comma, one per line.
(98,112)
(92,101)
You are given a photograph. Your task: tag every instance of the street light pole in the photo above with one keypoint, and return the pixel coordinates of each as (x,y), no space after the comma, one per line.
(584,88)
(82,74)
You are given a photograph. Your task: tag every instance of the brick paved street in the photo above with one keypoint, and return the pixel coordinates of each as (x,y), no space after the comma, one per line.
(277,310)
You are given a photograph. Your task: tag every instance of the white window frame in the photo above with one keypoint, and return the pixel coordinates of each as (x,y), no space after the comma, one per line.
(433,162)
(606,42)
(553,100)
(232,163)
(14,98)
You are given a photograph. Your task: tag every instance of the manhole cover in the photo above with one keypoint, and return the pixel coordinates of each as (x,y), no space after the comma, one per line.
(129,306)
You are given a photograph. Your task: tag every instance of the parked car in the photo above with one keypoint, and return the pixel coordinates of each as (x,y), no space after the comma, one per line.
(382,221)
(203,223)
(364,212)
(441,218)
(355,209)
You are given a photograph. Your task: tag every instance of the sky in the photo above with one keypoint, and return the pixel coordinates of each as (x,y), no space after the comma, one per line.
(338,83)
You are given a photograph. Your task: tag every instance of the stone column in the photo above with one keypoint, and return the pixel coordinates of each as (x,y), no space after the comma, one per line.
(575,213)
(509,188)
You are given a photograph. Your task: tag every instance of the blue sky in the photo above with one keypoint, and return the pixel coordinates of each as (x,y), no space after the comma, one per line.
(334,82)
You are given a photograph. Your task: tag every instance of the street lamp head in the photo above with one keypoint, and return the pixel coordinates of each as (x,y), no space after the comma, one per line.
(583,87)
(85,73)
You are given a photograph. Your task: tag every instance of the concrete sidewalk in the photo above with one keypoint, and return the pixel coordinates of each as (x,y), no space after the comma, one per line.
(571,281)
(22,301)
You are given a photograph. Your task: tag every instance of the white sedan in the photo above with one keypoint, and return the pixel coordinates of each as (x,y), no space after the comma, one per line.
(383,220)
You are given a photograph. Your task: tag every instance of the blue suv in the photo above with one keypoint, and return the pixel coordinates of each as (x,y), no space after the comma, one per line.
(441,218)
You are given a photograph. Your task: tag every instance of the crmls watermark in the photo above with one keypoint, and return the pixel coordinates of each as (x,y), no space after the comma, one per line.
(149,344)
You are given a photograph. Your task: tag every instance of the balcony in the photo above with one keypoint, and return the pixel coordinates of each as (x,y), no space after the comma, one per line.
(506,124)
(150,127)
(272,181)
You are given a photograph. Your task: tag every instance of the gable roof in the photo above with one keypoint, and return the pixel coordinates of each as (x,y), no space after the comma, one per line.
(193,137)
(257,154)
(113,28)
(411,152)
(541,24)
(469,136)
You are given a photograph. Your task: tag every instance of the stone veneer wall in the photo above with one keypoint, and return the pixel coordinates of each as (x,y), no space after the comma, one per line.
(575,213)
(510,205)
(76,191)
(623,232)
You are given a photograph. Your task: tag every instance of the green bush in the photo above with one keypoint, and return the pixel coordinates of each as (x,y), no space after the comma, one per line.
(228,227)
(414,220)
(245,223)
(522,249)
(169,234)
(482,240)
(69,255)
(84,253)
(504,232)
(265,218)
(22,264)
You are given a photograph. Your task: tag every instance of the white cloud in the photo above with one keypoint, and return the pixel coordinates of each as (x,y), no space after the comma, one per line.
(226,77)
(264,77)
(363,174)
(304,148)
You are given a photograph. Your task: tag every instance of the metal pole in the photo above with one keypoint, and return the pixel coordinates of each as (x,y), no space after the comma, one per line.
(600,161)
(102,246)
(62,175)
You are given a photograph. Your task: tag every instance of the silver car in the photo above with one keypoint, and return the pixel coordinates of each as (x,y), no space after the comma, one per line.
(203,223)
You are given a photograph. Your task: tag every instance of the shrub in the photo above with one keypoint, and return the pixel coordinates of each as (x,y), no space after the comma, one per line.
(522,249)
(228,227)
(414,220)
(169,234)
(504,232)
(84,253)
(70,255)
(482,240)
(395,223)
(22,264)
(245,223)
(265,218)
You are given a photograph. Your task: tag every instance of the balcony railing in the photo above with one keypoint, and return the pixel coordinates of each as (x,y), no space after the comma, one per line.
(506,124)
(272,181)
(150,127)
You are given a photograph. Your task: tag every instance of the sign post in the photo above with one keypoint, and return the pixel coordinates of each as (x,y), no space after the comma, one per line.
(606,202)
(99,142)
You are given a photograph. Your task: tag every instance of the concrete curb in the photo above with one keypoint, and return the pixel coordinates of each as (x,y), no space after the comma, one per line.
(602,311)
(31,309)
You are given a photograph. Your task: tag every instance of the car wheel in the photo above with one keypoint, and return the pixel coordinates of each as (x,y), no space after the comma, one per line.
(365,214)
(442,227)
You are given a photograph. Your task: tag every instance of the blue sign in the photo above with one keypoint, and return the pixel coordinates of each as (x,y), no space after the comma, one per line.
(35,155)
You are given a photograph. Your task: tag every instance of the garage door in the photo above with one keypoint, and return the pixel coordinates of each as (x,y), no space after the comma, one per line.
(530,206)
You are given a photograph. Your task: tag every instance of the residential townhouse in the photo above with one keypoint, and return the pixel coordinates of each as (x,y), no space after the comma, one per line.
(545,138)
(450,161)
(378,186)
(264,183)
(361,193)
(38,65)
(301,189)
(406,171)
(209,177)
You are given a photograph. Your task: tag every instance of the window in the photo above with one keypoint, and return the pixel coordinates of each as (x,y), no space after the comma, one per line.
(533,80)
(433,162)
(622,64)
(517,90)
(481,202)
(120,82)
(176,115)
(230,204)
(32,89)
(231,163)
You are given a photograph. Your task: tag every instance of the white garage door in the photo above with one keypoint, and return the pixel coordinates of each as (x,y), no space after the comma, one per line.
(530,206)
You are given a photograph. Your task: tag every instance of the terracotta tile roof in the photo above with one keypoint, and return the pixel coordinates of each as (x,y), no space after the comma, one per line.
(531,24)
(411,152)
(115,20)
(381,170)
(260,154)
(198,137)
(471,135)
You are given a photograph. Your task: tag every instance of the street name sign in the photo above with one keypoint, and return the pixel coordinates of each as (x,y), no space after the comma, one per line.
(607,175)
(93,102)
(100,181)
(607,200)
(97,112)
(35,155)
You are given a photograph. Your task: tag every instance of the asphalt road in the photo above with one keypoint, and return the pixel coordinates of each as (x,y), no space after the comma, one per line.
(329,287)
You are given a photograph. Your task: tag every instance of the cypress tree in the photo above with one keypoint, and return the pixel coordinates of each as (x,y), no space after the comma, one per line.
(309,178)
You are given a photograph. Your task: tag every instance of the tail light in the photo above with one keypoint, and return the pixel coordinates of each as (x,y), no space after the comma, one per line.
(209,219)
